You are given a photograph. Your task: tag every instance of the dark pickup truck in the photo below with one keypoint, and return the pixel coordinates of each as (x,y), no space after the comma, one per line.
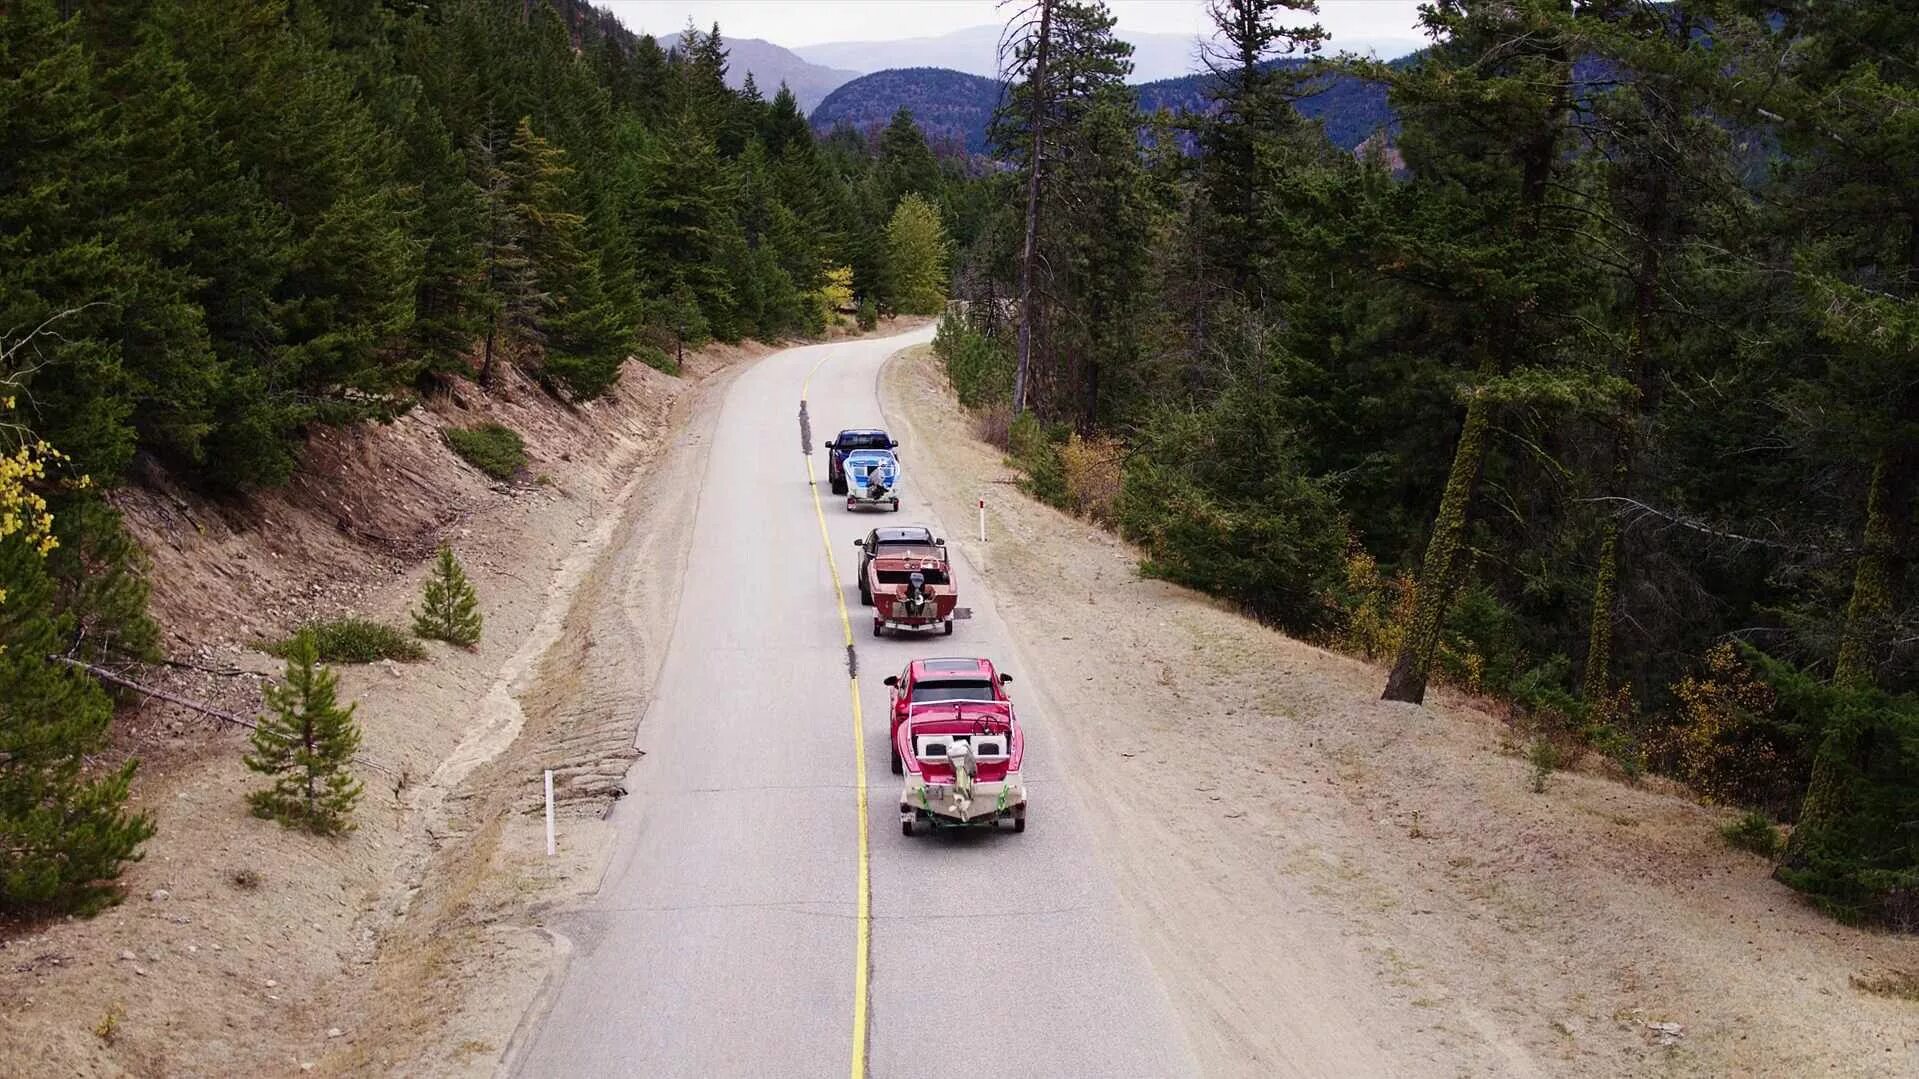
(848,441)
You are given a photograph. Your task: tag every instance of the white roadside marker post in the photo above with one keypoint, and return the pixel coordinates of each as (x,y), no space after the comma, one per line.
(982,520)
(549,812)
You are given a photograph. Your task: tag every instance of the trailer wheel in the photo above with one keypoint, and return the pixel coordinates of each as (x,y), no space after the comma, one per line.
(906,827)
(898,766)
(896,505)
(1019,818)
(948,630)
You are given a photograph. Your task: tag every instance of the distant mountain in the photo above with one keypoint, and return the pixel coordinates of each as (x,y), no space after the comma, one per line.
(958,106)
(772,65)
(975,51)
(948,105)
(1349,109)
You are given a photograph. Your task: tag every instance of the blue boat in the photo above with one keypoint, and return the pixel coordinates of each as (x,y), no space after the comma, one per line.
(872,479)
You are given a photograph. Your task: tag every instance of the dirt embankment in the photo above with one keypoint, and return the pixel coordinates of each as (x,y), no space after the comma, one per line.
(246,949)
(1302,859)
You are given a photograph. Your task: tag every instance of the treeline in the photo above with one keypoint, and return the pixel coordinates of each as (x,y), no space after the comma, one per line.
(1598,390)
(225,221)
(264,214)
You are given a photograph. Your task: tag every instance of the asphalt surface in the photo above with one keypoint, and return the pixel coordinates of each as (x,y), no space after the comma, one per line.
(723,938)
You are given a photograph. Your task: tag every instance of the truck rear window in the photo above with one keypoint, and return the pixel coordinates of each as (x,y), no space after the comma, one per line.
(971,689)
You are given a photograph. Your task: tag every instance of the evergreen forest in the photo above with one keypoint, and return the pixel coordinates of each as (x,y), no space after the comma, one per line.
(1595,389)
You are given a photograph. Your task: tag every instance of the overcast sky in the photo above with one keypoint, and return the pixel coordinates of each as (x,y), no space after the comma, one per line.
(808,22)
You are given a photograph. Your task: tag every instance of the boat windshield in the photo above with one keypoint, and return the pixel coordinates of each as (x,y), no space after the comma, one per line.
(956,689)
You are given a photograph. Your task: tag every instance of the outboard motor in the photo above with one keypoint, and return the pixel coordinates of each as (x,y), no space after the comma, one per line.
(965,769)
(876,482)
(916,597)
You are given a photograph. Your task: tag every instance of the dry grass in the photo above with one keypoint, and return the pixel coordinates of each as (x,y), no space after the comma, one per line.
(1897,984)
(993,425)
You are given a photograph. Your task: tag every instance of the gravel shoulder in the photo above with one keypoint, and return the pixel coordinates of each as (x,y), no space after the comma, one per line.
(1331,884)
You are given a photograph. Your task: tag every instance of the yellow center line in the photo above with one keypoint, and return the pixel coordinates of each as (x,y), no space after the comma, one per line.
(862,948)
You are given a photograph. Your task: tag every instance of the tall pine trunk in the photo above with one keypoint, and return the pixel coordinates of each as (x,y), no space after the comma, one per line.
(1877,585)
(1439,573)
(1605,602)
(1029,258)
(1880,573)
(486,363)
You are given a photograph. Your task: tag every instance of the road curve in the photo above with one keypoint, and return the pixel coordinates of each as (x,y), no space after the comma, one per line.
(722,941)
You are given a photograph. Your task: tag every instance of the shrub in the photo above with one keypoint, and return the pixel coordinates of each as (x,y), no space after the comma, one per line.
(1483,647)
(993,424)
(1219,502)
(305,745)
(1546,756)
(1725,744)
(834,294)
(1034,448)
(449,608)
(979,365)
(350,640)
(1751,832)
(1092,470)
(494,449)
(1376,611)
(869,314)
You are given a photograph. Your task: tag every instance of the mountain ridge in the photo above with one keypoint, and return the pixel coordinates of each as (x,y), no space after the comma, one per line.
(771,64)
(974,51)
(959,106)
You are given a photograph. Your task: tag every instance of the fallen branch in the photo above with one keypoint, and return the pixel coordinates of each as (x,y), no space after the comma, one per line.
(185,702)
(1631,511)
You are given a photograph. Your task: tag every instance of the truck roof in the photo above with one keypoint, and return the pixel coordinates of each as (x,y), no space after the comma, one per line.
(952,667)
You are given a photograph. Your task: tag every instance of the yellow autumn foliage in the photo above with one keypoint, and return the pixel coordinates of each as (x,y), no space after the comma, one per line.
(23,510)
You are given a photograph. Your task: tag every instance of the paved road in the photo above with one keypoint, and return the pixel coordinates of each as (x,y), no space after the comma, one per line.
(722,942)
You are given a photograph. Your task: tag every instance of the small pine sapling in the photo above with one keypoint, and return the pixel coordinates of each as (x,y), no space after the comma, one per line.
(305,745)
(449,608)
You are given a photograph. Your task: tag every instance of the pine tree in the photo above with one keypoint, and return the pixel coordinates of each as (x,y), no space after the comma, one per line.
(680,211)
(1658,159)
(305,746)
(916,249)
(449,607)
(1486,119)
(1066,53)
(1253,119)
(905,165)
(512,303)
